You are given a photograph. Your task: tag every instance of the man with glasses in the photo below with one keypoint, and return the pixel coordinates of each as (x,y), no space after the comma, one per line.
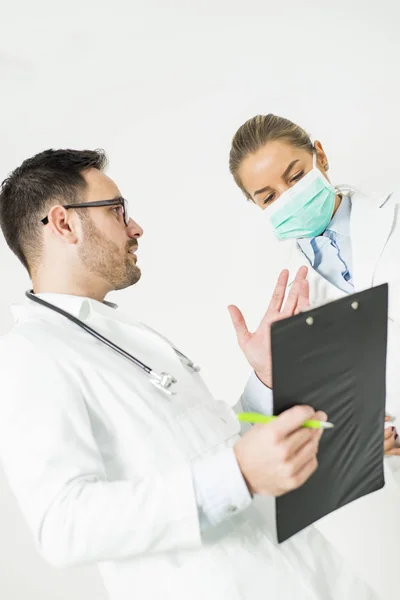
(158,489)
(120,203)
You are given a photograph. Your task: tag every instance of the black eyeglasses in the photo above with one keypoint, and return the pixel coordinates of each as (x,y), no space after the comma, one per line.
(114,202)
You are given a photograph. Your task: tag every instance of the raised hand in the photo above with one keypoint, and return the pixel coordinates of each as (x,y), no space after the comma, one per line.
(256,346)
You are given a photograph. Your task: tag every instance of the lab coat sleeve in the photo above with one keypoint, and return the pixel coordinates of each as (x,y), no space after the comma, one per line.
(393,383)
(55,470)
(218,502)
(257,397)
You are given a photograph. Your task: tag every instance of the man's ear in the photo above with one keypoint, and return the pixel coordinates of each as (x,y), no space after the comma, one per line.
(62,224)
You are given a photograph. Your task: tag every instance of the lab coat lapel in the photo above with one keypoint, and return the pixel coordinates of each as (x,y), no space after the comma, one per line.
(370,227)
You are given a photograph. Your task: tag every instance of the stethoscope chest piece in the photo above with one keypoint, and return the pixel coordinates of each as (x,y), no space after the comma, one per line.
(163,382)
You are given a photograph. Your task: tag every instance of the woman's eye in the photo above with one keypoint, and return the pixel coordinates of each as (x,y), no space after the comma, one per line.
(297,176)
(268,199)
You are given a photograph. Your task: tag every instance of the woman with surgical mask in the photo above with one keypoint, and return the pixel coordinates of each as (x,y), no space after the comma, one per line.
(349,241)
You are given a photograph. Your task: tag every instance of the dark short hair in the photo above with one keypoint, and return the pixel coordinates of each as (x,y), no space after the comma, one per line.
(53,176)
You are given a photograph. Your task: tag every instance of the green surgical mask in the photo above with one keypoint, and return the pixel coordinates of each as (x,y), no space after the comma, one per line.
(304,210)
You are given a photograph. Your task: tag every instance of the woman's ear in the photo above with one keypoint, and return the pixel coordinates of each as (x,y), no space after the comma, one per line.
(322,159)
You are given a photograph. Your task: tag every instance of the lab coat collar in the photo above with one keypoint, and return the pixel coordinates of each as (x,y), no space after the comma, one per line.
(78,306)
(370,226)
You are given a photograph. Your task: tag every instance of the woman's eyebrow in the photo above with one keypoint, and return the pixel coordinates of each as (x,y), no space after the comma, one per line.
(284,175)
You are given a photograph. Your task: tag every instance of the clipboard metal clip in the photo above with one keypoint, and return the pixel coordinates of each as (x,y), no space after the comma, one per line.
(354,305)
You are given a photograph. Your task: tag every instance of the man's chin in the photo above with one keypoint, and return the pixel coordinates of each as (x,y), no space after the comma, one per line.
(137,276)
(132,278)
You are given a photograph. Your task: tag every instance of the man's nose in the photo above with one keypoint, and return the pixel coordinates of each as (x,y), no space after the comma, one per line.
(134,229)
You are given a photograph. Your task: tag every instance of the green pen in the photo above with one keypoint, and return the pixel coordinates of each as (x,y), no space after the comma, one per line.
(250,417)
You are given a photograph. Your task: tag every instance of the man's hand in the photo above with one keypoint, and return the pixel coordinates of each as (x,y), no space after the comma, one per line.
(389,440)
(257,346)
(280,456)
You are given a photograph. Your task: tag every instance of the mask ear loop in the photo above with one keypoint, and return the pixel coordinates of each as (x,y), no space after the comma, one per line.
(338,191)
(314,159)
(326,167)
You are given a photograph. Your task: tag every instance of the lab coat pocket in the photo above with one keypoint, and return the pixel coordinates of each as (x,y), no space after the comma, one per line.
(206,426)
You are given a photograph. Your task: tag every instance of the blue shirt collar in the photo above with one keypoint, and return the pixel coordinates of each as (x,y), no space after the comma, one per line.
(339,224)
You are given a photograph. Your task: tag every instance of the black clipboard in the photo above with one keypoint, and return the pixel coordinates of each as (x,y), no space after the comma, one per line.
(333,358)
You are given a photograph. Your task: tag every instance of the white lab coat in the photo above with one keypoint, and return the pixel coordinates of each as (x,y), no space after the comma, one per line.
(100,463)
(367,531)
(375,238)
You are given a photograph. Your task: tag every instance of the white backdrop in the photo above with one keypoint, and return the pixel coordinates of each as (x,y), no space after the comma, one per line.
(162,86)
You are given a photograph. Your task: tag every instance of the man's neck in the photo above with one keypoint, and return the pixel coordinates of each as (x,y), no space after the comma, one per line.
(73,287)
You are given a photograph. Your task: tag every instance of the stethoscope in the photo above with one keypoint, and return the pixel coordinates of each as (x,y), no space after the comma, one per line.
(162,381)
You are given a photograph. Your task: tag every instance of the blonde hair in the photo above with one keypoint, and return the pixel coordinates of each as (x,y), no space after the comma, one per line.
(257,132)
